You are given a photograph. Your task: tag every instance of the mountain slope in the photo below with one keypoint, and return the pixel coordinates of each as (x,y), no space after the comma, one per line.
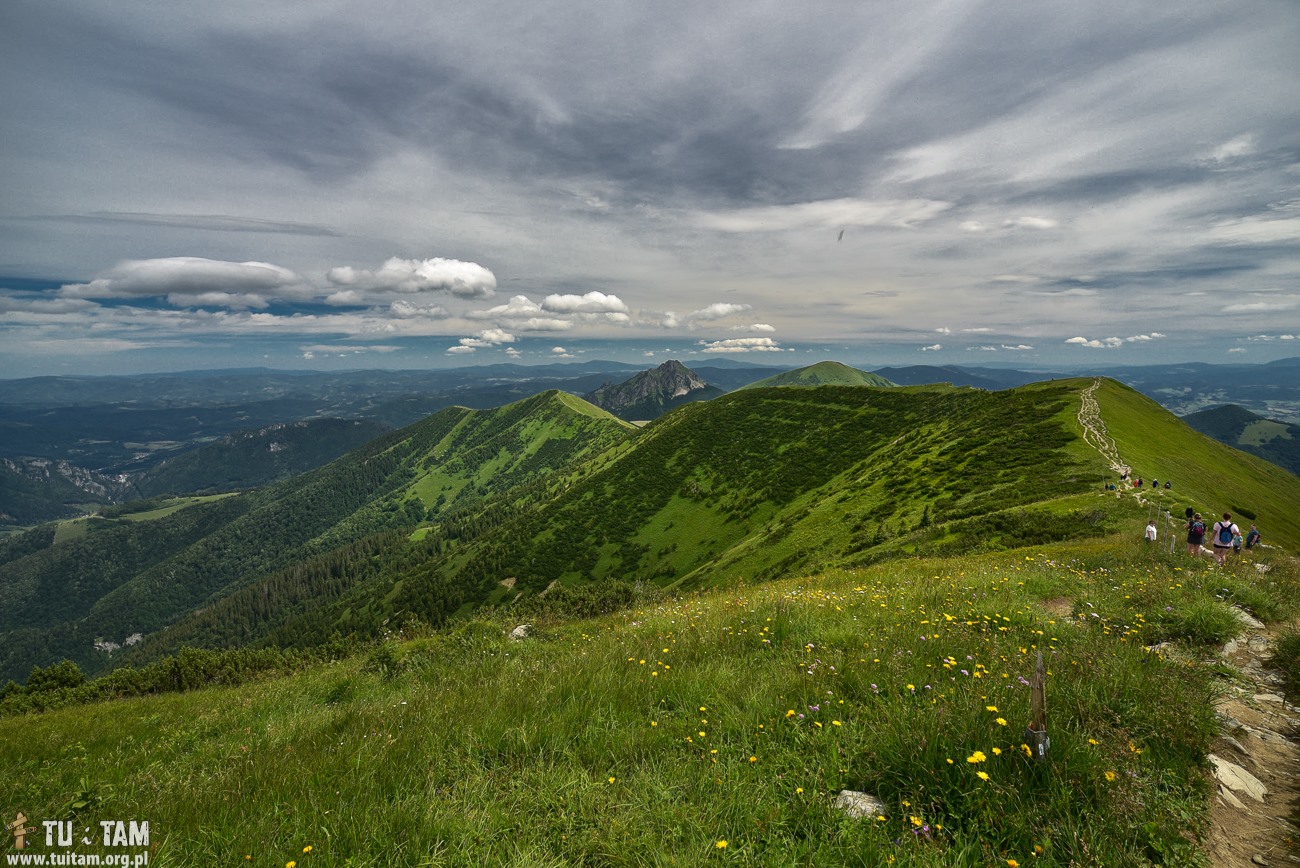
(822,374)
(125,580)
(650,394)
(757,484)
(1278,442)
(247,459)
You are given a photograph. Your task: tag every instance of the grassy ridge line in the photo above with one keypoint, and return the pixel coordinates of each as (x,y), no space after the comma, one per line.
(1207,475)
(728,716)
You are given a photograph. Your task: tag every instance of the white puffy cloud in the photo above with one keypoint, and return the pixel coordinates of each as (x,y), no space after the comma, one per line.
(522,314)
(561,353)
(944,330)
(754,327)
(1133,339)
(463,279)
(591,302)
(932,348)
(741,345)
(488,338)
(459,350)
(983,349)
(192,281)
(716,311)
(1017,348)
(1096,344)
(407,310)
(1237,350)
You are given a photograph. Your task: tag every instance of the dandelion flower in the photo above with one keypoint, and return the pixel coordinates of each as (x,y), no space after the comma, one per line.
(1110,776)
(983,776)
(990,708)
(1001,721)
(977,757)
(753,759)
(290,864)
(798,790)
(1012,863)
(611,780)
(1093,741)
(721,845)
(307,849)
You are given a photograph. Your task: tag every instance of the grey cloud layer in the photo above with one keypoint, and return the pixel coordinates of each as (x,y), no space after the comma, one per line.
(1036,171)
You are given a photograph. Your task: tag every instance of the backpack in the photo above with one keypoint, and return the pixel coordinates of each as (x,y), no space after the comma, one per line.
(1225,534)
(1198,528)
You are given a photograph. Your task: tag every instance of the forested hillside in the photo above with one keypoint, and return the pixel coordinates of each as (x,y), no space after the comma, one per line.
(138,579)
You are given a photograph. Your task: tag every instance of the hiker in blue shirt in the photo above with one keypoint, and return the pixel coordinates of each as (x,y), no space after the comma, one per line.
(1252,538)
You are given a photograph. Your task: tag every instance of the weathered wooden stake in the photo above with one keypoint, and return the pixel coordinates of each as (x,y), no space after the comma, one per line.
(21,830)
(1036,733)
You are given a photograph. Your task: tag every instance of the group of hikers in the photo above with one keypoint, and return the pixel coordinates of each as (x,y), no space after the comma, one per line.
(1124,482)
(1225,537)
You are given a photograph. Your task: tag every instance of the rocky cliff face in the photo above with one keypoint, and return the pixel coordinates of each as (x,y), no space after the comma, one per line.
(652,393)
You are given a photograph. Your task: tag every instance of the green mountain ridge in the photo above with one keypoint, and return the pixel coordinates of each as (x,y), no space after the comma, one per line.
(826,373)
(550,491)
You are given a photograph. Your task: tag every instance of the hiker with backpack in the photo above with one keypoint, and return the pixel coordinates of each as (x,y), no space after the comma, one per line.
(1224,532)
(1195,534)
(1252,538)
(1151,531)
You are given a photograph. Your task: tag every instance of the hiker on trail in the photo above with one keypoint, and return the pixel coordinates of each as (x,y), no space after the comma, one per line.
(1236,543)
(1155,483)
(1138,484)
(1151,531)
(1195,534)
(1224,531)
(1168,485)
(1189,512)
(1252,538)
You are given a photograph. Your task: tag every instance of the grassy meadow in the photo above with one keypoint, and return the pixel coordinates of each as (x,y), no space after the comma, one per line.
(713,727)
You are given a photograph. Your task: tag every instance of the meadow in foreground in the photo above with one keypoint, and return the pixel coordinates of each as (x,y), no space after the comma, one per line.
(712,727)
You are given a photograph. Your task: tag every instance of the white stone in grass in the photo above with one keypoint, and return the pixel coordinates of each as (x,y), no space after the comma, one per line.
(523,631)
(857,804)
(1248,619)
(1235,777)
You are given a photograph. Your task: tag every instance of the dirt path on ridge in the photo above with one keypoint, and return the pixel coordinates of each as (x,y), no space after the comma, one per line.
(1094,429)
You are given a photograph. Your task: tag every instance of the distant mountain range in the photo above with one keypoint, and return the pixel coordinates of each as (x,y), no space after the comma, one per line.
(74,442)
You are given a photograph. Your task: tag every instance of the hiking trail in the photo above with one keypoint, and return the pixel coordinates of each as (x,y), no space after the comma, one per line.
(1094,429)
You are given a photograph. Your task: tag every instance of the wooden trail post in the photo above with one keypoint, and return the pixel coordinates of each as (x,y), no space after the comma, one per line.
(1036,733)
(21,830)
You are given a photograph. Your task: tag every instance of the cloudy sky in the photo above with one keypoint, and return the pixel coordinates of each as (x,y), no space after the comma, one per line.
(407,184)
